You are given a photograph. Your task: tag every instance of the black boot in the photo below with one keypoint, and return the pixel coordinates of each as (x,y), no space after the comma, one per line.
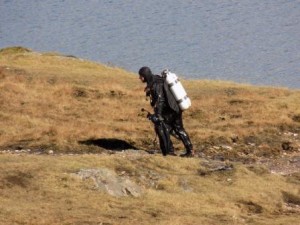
(171,151)
(187,144)
(172,154)
(188,154)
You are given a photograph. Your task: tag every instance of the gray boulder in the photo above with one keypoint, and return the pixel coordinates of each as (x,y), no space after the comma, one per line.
(107,180)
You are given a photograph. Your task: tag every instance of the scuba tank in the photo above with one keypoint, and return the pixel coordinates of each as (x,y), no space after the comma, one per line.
(177,89)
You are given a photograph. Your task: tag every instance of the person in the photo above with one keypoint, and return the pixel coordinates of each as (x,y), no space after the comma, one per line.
(167,117)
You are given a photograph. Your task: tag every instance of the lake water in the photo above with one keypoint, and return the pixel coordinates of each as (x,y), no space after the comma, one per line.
(246,41)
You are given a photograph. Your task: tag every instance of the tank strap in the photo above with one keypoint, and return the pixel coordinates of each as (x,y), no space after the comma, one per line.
(182,99)
(173,83)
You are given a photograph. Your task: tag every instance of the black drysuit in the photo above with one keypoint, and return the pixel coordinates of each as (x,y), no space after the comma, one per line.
(169,115)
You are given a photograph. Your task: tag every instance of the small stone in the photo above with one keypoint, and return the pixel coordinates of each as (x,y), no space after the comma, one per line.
(50,152)
(226,147)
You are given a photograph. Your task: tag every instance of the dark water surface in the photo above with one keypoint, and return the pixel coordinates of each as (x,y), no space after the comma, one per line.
(247,41)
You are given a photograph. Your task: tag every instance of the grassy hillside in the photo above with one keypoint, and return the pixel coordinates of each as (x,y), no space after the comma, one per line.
(49,101)
(58,104)
(40,189)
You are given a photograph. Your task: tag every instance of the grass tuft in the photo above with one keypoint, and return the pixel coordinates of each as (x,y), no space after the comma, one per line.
(14,50)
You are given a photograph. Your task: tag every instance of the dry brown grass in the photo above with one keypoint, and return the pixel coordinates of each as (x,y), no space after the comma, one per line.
(42,190)
(49,101)
(53,101)
(56,101)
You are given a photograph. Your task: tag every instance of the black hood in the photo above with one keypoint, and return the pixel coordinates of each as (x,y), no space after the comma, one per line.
(147,74)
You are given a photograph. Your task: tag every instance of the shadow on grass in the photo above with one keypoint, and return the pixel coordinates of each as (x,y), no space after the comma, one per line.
(109,144)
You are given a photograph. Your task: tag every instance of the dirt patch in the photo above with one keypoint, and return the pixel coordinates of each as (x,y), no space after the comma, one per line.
(250,207)
(286,164)
(19,179)
(296,118)
(291,198)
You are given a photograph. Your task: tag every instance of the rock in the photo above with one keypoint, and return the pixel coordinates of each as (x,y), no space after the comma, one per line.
(252,141)
(185,185)
(107,180)
(50,152)
(226,147)
(264,146)
(291,134)
(214,166)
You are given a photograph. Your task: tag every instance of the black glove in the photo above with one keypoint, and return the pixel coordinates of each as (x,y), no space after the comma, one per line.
(155,118)
(159,117)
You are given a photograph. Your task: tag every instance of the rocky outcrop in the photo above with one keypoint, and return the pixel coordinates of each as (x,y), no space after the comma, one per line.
(107,180)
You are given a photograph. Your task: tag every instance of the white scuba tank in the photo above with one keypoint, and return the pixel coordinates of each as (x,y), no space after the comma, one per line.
(177,90)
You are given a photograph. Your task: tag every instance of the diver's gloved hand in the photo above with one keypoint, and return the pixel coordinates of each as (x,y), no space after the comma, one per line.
(159,117)
(155,118)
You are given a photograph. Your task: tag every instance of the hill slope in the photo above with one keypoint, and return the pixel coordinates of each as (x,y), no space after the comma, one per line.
(49,101)
(56,110)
